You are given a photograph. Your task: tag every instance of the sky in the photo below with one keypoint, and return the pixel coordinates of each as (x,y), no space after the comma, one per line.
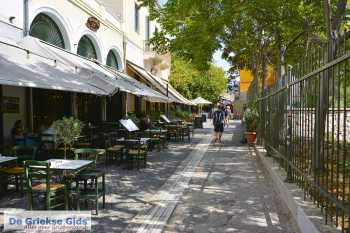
(217,60)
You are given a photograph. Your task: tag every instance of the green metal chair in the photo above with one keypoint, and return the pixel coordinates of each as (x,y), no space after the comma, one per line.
(137,155)
(41,186)
(185,132)
(93,179)
(15,174)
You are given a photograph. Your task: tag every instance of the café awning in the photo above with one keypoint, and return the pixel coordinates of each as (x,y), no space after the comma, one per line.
(160,84)
(87,71)
(131,85)
(22,67)
(100,75)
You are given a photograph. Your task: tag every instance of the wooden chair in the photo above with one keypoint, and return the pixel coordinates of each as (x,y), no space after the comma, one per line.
(185,132)
(173,132)
(15,174)
(93,179)
(41,186)
(137,155)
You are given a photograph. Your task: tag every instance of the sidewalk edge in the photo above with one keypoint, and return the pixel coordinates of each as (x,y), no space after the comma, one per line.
(303,222)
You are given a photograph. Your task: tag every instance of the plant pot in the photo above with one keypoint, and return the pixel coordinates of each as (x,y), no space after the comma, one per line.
(251,138)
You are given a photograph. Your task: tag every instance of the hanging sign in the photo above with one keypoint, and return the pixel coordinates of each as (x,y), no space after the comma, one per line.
(93,24)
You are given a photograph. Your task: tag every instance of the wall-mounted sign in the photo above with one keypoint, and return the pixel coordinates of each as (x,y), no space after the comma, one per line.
(93,24)
(10,104)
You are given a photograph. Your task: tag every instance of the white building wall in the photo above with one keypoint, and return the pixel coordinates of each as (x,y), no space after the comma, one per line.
(12,8)
(71,17)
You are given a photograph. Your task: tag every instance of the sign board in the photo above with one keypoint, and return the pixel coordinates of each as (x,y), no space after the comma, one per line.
(129,125)
(165,118)
(10,104)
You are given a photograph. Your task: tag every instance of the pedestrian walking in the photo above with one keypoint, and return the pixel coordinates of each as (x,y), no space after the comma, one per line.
(218,122)
(227,115)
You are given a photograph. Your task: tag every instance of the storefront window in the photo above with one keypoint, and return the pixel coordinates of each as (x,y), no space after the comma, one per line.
(86,48)
(44,28)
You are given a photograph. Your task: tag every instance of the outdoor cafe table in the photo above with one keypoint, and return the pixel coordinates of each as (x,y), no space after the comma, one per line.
(141,141)
(68,165)
(5,160)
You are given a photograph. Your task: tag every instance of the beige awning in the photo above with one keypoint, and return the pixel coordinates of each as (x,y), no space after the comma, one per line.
(160,84)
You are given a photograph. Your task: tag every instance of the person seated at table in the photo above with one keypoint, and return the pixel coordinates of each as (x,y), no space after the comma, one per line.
(145,122)
(17,131)
(192,116)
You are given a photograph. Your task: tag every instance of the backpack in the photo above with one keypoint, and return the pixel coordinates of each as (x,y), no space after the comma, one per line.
(217,119)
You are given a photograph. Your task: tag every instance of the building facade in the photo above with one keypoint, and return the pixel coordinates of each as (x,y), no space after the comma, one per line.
(109,31)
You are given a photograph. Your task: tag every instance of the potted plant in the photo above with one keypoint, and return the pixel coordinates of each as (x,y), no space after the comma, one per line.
(68,129)
(251,118)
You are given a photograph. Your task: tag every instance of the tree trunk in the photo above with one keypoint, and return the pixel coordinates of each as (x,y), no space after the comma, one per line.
(322,104)
(65,150)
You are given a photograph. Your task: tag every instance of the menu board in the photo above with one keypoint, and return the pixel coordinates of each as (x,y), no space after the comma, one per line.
(10,104)
(129,125)
(165,118)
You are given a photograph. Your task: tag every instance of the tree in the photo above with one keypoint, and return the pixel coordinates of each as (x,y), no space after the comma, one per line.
(192,83)
(210,84)
(182,75)
(68,129)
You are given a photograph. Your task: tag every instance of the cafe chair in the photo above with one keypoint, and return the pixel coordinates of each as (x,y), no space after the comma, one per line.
(92,179)
(173,132)
(156,139)
(185,132)
(15,174)
(115,153)
(137,155)
(42,187)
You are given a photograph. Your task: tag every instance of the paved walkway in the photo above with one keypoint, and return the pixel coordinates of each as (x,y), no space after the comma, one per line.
(229,193)
(191,187)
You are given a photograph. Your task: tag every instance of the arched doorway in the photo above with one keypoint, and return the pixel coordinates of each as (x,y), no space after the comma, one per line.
(48,105)
(45,28)
(86,48)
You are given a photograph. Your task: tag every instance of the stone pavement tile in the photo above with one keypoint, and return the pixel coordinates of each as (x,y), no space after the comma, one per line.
(229,193)
(128,191)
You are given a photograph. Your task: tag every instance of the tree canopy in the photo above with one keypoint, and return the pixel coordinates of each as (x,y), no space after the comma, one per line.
(191,82)
(251,33)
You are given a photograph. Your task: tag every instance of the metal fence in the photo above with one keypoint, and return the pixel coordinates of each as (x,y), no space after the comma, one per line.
(305,125)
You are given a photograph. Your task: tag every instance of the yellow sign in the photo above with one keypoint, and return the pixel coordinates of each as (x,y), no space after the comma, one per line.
(246,77)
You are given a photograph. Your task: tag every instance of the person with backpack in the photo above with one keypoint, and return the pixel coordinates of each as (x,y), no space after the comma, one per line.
(218,122)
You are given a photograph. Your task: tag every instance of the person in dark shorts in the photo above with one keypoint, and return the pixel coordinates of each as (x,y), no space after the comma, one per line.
(218,122)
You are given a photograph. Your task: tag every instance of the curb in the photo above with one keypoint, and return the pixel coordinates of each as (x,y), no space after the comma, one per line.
(298,214)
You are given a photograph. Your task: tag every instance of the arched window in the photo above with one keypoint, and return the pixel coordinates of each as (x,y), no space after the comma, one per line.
(112,60)
(86,48)
(44,28)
